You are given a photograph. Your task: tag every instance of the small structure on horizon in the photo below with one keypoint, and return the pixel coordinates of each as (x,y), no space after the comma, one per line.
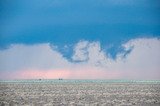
(60,79)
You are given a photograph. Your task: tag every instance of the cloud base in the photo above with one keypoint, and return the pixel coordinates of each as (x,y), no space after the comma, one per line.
(140,59)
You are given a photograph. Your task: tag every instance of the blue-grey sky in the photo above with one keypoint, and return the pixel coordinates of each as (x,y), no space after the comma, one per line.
(63,24)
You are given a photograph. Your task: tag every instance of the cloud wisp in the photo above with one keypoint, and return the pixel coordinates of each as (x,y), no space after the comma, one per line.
(89,61)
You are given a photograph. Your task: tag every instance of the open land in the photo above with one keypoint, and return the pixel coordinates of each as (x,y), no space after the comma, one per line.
(79,94)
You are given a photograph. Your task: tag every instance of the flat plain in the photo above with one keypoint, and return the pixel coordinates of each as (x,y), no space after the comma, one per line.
(83,93)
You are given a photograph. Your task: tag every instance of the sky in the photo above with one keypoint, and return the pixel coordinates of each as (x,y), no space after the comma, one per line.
(80,39)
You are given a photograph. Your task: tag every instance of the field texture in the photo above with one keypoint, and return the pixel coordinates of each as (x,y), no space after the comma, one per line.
(79,93)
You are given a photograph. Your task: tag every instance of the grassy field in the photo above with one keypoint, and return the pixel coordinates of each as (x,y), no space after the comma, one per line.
(79,93)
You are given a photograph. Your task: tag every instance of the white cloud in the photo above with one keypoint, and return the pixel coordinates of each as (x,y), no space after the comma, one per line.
(80,51)
(40,56)
(90,52)
(143,62)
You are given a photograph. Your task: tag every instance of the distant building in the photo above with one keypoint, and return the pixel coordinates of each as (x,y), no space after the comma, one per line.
(60,79)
